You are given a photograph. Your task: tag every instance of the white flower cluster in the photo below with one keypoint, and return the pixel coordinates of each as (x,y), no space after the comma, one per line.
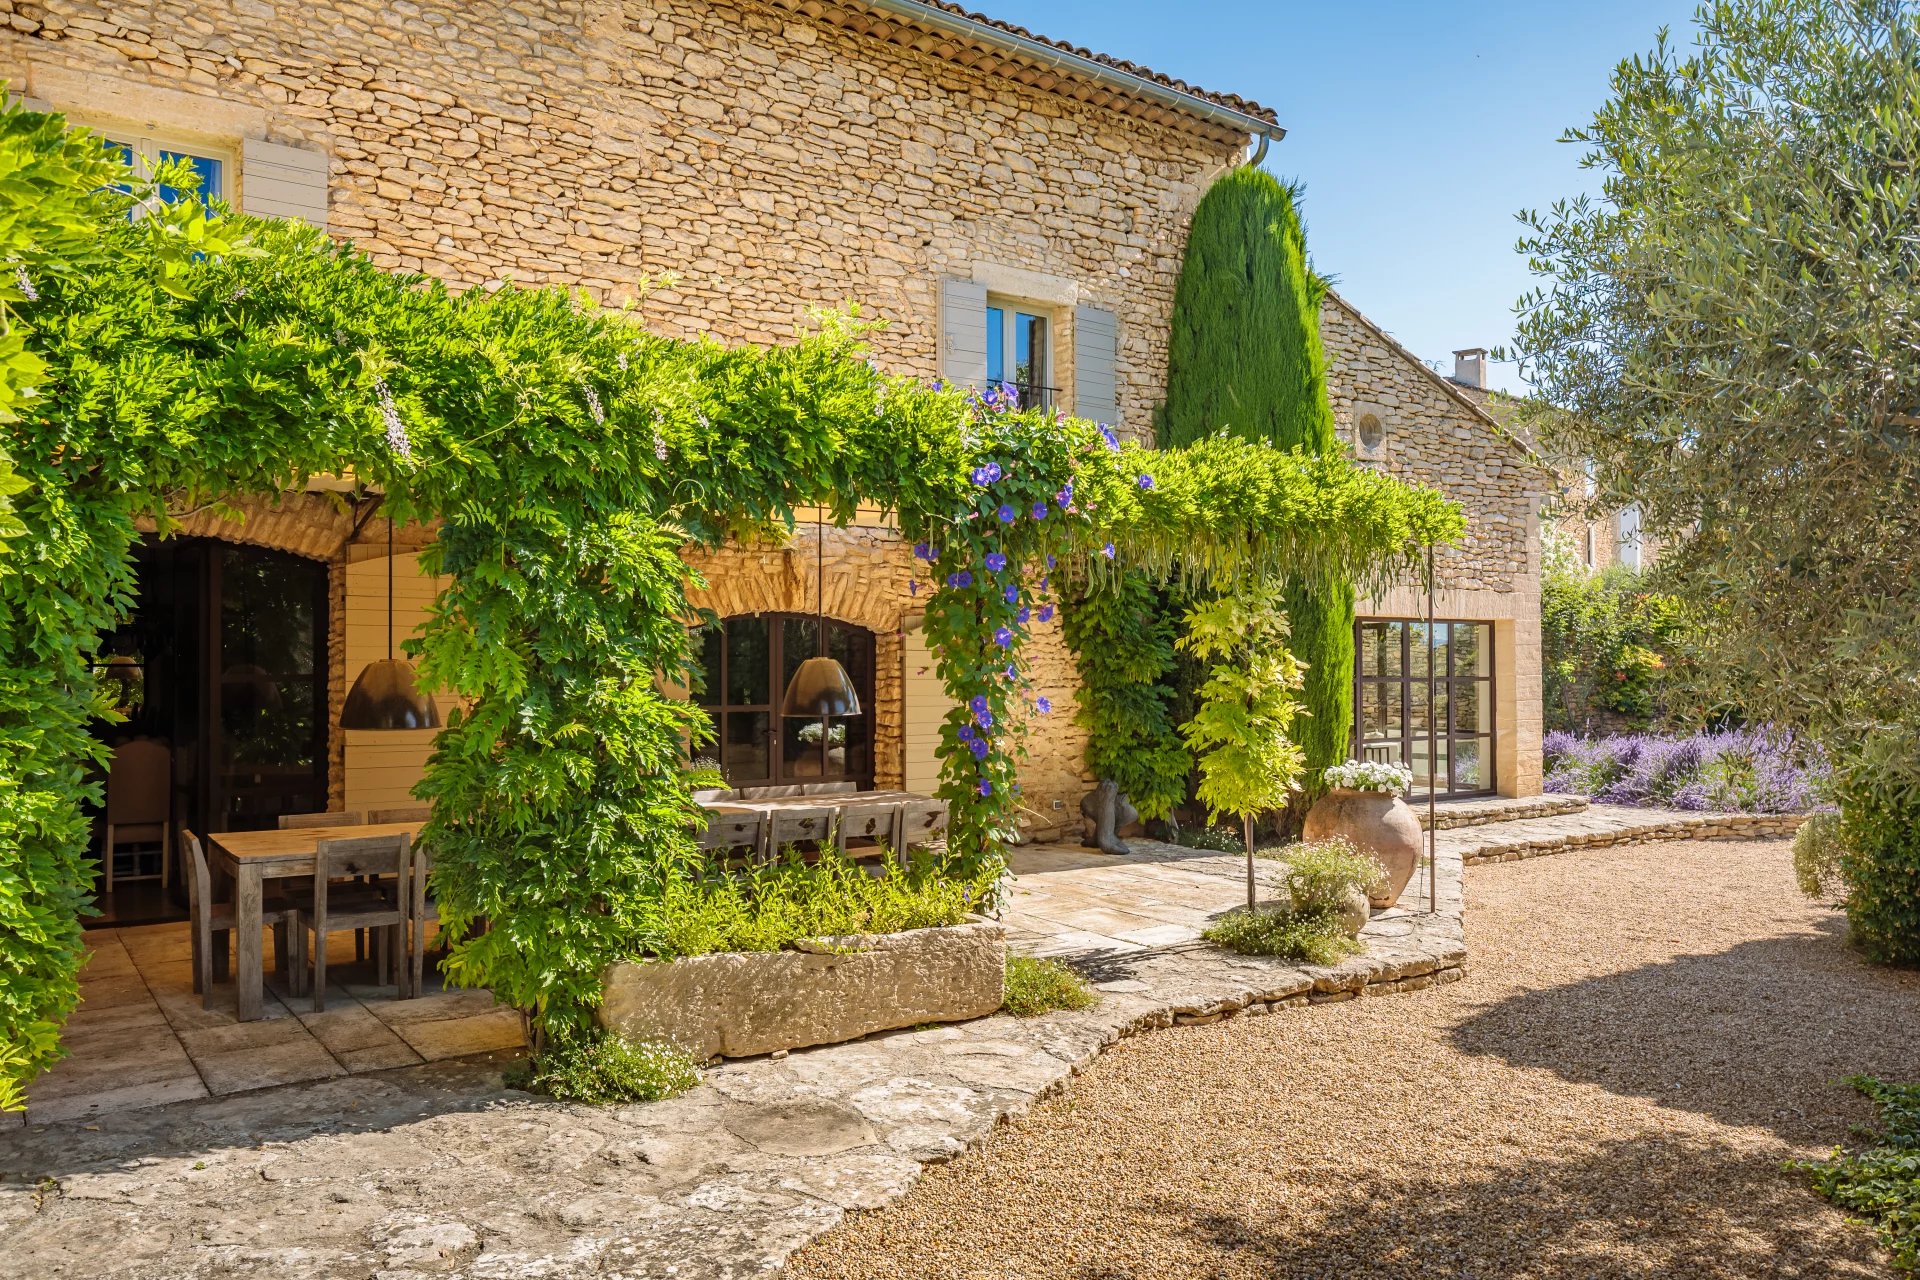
(1370,775)
(396,429)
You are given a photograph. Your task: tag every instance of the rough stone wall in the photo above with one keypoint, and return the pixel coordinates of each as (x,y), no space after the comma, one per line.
(773,164)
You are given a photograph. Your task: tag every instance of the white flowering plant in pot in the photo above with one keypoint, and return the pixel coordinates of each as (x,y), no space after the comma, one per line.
(1370,775)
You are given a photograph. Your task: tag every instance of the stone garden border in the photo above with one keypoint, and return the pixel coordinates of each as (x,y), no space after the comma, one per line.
(1659,825)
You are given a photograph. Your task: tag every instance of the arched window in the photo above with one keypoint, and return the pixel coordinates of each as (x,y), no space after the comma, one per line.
(745,664)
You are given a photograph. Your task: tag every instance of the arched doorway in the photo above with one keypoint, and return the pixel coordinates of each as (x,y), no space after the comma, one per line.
(222,666)
(745,664)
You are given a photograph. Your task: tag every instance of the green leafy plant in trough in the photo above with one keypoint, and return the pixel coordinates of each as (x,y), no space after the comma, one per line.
(768,908)
(1882,1182)
(598,1067)
(1037,986)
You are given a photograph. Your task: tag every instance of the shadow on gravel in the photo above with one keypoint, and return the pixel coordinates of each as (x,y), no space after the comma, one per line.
(1643,1208)
(1759,1034)
(359,1104)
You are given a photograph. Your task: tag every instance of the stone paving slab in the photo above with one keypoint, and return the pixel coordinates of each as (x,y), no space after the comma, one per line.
(441,1170)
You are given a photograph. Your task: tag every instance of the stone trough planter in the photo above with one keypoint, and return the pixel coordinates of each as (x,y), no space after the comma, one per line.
(826,990)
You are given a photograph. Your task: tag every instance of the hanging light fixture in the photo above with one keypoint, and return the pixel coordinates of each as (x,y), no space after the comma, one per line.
(821,687)
(383,695)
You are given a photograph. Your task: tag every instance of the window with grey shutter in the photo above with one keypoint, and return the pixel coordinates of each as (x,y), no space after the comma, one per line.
(1096,388)
(278,181)
(963,333)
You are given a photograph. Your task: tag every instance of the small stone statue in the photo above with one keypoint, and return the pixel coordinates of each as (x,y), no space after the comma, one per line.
(1106,811)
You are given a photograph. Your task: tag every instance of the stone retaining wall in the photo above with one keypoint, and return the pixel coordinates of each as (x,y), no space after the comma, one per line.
(1449,815)
(1702,826)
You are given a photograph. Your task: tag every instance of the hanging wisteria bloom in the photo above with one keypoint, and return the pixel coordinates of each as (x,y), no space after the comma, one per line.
(659,447)
(996,561)
(1044,705)
(396,429)
(1011,594)
(1003,637)
(1007,514)
(25,281)
(1039,511)
(1146,482)
(621,360)
(593,403)
(1046,613)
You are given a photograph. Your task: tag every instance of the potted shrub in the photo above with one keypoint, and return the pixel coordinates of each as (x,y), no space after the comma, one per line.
(1363,806)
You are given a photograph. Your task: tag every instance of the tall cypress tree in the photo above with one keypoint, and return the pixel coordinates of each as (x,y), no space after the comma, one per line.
(1245,357)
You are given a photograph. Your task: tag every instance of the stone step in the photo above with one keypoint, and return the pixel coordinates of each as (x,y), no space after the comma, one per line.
(1449,814)
(1600,825)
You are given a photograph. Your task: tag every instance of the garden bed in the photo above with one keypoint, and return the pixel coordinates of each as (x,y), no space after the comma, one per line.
(1750,771)
(823,991)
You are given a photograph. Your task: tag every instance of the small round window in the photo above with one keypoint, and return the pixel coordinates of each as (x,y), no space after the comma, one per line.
(1372,432)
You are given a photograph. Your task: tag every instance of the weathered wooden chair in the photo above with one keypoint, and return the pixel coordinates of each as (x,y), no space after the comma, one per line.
(208,917)
(381,907)
(922,822)
(868,829)
(799,827)
(731,833)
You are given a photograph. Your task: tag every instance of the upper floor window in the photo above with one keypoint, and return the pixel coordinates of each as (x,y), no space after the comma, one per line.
(1020,352)
(146,155)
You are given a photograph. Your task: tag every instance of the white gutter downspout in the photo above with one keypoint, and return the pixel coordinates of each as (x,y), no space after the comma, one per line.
(1085,69)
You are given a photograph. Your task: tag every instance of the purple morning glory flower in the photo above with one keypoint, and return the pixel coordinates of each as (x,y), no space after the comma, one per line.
(986,788)
(1046,613)
(1039,511)
(1006,513)
(979,702)
(939,384)
(995,561)
(979,748)
(1023,615)
(980,477)
(1049,562)
(1012,674)
(921,551)
(1146,482)
(1065,496)
(984,719)
(964,578)
(964,733)
(1003,637)
(993,471)
(1107,551)
(1011,594)
(913,588)
(1113,441)
(1044,704)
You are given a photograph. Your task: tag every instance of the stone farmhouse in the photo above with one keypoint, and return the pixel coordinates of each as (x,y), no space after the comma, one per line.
(1014,209)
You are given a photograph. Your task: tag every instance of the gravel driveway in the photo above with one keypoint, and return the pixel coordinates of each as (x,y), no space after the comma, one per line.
(1645,1033)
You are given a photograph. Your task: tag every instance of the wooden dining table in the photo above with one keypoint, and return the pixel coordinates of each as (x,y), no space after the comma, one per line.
(249,859)
(823,800)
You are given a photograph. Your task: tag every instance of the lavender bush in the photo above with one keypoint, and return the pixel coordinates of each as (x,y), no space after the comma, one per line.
(1739,771)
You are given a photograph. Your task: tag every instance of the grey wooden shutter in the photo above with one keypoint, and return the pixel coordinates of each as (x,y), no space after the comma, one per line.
(278,181)
(963,332)
(1096,389)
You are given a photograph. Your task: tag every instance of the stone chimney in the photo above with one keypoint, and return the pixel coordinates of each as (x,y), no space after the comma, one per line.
(1470,367)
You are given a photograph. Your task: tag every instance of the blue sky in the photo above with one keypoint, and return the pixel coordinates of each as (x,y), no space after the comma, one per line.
(1419,129)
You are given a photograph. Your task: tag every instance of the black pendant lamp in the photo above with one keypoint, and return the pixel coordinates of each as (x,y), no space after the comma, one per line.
(384,696)
(821,687)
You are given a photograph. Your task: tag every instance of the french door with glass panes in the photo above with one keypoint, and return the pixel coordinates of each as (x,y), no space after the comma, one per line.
(746,663)
(1392,719)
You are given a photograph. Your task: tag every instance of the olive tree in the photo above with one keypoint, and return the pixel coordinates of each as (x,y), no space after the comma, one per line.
(1733,326)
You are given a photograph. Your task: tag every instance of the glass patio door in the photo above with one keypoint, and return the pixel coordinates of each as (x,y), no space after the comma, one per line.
(746,663)
(1448,745)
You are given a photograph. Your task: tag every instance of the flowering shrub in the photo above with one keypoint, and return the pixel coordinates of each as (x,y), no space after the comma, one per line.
(1370,775)
(1739,771)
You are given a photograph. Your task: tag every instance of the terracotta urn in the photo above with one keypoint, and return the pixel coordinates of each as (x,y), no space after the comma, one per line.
(1374,822)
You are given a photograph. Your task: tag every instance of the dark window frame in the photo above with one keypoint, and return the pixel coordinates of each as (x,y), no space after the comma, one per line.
(779,770)
(1409,737)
